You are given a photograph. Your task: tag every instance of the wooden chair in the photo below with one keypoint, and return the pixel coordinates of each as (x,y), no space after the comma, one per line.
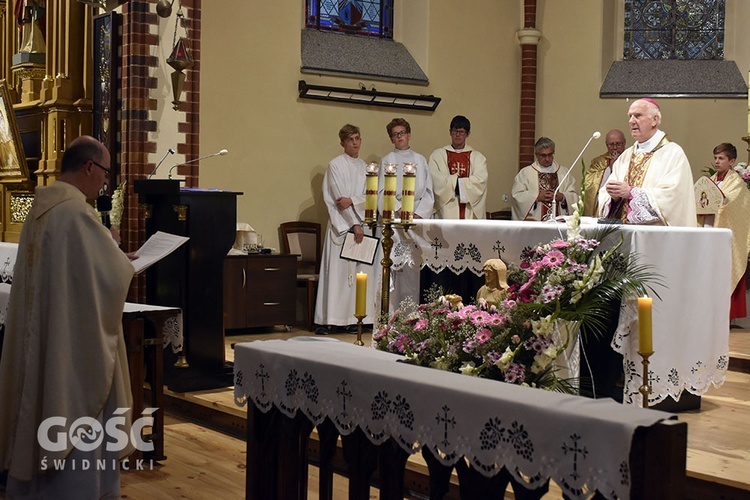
(303,238)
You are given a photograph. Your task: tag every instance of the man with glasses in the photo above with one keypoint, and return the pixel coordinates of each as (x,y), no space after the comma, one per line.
(459,176)
(399,132)
(63,355)
(599,170)
(535,188)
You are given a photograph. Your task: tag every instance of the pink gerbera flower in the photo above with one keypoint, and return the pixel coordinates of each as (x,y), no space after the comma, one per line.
(483,335)
(554,258)
(420,325)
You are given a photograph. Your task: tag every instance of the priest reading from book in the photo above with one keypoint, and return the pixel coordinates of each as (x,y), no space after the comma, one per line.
(535,185)
(651,181)
(732,214)
(63,358)
(459,176)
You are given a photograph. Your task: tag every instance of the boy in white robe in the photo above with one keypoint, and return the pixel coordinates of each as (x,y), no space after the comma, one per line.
(344,196)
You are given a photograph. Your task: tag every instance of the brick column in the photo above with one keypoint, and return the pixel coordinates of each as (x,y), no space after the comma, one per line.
(138,86)
(528,38)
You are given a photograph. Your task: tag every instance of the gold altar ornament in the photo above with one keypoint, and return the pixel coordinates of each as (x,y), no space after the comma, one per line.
(408,191)
(371,192)
(389,191)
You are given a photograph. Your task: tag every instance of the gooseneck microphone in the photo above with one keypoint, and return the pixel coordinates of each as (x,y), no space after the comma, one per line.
(218,153)
(595,135)
(170,151)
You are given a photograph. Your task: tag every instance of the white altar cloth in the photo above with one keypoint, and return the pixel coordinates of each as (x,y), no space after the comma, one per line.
(575,441)
(690,322)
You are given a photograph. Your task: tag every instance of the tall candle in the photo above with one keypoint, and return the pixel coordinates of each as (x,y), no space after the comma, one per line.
(407,194)
(389,192)
(360,308)
(645,338)
(371,192)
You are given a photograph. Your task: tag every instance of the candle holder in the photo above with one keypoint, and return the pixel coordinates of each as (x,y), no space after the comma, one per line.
(390,181)
(645,388)
(359,330)
(371,193)
(408,192)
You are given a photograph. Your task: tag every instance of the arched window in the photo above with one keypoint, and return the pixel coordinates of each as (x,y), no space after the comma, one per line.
(354,17)
(674,29)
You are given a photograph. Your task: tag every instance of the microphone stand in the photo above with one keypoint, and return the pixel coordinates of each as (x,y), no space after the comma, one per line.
(595,135)
(170,151)
(218,153)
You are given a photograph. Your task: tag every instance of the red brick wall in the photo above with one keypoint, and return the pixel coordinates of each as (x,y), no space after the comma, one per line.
(138,91)
(527,111)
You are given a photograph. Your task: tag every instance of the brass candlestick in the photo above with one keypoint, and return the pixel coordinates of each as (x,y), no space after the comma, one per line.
(359,329)
(645,388)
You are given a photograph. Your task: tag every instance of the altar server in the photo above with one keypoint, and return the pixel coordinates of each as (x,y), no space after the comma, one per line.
(732,214)
(344,196)
(459,176)
(64,354)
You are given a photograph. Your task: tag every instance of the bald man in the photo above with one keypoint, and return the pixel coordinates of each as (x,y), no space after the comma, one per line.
(651,181)
(599,170)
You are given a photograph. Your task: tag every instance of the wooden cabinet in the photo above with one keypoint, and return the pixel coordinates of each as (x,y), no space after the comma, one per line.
(259,290)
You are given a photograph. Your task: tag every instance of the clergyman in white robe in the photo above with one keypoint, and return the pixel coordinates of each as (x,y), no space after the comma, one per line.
(524,204)
(664,194)
(64,352)
(470,177)
(335,303)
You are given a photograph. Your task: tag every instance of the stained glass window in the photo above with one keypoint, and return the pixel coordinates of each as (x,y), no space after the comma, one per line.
(674,29)
(354,17)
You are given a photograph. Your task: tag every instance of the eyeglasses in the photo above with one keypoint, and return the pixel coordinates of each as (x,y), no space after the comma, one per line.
(400,134)
(614,144)
(106,170)
(545,155)
(458,131)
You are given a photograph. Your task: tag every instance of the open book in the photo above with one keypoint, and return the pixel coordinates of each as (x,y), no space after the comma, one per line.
(158,246)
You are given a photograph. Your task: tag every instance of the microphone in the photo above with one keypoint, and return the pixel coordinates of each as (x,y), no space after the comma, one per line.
(218,153)
(104,206)
(170,151)
(595,135)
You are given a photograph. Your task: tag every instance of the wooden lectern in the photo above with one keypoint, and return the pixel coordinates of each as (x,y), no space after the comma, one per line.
(191,278)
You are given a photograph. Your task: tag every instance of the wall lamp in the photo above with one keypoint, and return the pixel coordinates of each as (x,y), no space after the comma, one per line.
(368,97)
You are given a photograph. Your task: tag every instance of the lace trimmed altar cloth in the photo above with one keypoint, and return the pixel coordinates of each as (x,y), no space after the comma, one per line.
(577,442)
(690,322)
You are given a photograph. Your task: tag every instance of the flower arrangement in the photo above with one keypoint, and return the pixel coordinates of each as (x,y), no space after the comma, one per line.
(742,169)
(556,288)
(118,202)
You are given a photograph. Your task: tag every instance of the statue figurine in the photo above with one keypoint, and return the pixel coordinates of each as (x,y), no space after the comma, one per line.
(495,285)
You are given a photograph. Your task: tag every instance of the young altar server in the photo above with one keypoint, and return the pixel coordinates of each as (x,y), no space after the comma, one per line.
(732,214)
(344,196)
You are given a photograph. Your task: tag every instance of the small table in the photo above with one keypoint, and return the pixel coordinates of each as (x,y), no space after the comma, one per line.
(149,366)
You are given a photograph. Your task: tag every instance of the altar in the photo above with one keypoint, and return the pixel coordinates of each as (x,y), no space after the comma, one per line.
(385,410)
(690,319)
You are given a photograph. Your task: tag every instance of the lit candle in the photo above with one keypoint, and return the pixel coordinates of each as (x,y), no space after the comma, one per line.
(371,192)
(645,340)
(360,308)
(389,192)
(407,194)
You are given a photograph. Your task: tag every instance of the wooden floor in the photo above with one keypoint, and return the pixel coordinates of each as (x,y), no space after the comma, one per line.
(206,464)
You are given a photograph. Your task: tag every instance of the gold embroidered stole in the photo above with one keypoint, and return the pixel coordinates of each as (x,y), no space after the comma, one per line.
(547,181)
(639,163)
